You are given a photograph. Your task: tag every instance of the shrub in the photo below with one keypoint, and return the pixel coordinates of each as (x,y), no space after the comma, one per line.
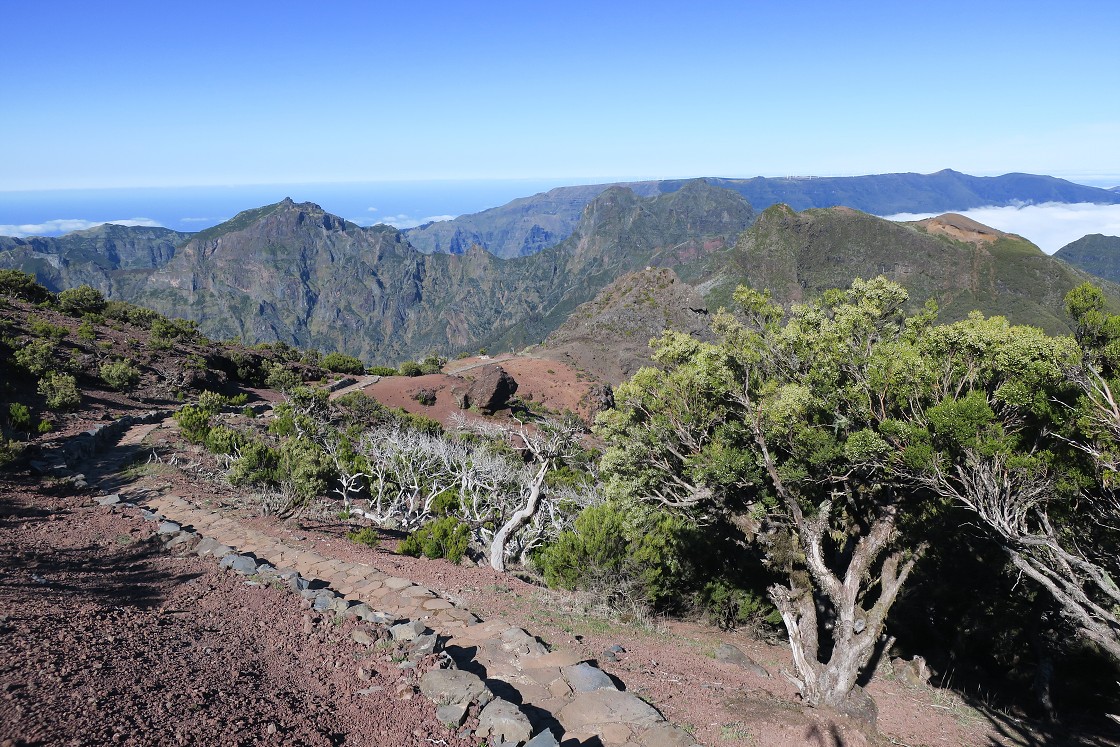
(258,464)
(282,379)
(433,364)
(194,422)
(19,417)
(61,391)
(361,409)
(120,375)
(122,311)
(426,397)
(340,363)
(421,423)
(81,300)
(42,328)
(8,450)
(37,357)
(367,536)
(382,371)
(21,285)
(223,440)
(411,368)
(627,553)
(443,538)
(305,468)
(86,331)
(248,367)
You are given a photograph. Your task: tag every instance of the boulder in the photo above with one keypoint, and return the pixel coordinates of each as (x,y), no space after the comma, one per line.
(491,389)
(861,706)
(454,687)
(732,654)
(584,678)
(502,721)
(408,631)
(600,707)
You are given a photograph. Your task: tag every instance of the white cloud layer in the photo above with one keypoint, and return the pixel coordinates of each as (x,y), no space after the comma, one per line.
(1050,225)
(401,221)
(66,225)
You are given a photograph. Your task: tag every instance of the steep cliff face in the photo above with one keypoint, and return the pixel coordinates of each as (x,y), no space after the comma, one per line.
(293,272)
(91,256)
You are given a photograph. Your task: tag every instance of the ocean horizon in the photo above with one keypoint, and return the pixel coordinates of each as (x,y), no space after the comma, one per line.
(402,204)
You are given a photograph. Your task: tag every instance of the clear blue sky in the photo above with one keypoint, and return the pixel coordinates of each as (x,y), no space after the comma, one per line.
(246,92)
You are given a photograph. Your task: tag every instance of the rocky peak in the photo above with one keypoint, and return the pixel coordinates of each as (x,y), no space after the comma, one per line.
(959,227)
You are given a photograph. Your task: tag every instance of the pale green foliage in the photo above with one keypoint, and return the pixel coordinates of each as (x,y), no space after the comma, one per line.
(61,391)
(81,300)
(120,375)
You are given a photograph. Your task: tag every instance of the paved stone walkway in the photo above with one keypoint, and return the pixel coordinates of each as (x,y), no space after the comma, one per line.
(558,692)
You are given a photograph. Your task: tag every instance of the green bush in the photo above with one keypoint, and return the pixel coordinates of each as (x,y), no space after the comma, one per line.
(443,538)
(340,363)
(382,371)
(194,422)
(411,368)
(42,328)
(282,379)
(223,440)
(21,285)
(37,357)
(122,311)
(19,417)
(361,409)
(81,300)
(86,331)
(258,464)
(120,375)
(629,552)
(433,364)
(305,468)
(367,536)
(9,450)
(61,391)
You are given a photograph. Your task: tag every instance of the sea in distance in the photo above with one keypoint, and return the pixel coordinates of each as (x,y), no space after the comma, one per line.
(401,204)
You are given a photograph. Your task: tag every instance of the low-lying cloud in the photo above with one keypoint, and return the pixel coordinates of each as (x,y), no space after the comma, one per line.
(60,226)
(401,221)
(1050,225)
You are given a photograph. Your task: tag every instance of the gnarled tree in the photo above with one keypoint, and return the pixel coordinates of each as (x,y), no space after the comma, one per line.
(788,419)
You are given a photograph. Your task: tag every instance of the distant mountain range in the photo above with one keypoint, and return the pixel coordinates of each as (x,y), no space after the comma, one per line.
(529,224)
(1095,254)
(293,272)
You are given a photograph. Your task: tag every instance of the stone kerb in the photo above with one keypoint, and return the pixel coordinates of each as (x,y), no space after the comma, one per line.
(567,696)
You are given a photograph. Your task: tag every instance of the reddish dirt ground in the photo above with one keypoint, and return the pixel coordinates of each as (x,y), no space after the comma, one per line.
(555,385)
(107,639)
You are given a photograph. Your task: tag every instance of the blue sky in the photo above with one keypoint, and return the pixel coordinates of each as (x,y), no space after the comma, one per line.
(244,92)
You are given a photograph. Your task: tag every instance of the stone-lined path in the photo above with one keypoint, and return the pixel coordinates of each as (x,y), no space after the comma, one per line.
(562,695)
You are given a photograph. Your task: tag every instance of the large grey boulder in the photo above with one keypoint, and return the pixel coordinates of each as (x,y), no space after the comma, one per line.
(732,654)
(583,678)
(454,687)
(599,707)
(502,721)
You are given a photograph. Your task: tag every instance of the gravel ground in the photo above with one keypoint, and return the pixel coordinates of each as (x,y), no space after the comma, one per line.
(107,639)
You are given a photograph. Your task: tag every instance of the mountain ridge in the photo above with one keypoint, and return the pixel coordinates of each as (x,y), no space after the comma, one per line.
(523,225)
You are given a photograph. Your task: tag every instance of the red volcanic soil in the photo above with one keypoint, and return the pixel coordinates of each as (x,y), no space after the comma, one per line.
(556,385)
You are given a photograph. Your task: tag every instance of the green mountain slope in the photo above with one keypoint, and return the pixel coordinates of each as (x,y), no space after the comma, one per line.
(529,224)
(296,273)
(958,262)
(1096,254)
